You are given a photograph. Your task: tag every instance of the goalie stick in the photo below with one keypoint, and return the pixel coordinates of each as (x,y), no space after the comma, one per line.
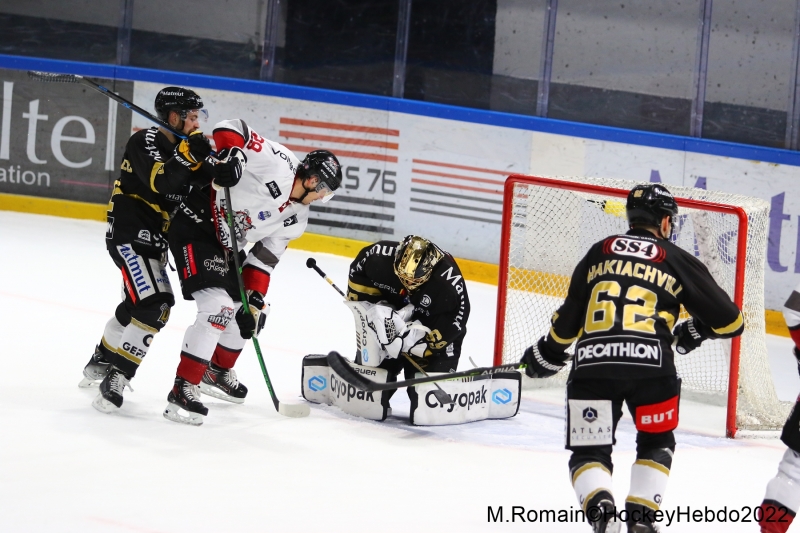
(439,393)
(342,367)
(292,410)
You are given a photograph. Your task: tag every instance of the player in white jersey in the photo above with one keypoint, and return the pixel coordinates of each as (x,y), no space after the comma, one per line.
(782,499)
(270,194)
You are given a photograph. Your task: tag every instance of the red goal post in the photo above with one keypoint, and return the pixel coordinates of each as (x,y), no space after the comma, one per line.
(548,225)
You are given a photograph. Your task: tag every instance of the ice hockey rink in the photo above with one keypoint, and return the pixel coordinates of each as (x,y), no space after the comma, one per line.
(65,467)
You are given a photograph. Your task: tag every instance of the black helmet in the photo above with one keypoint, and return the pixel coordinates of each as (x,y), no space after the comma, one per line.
(323,164)
(176,99)
(649,204)
(414,261)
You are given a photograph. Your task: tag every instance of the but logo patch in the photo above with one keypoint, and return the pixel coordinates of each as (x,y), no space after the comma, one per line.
(658,417)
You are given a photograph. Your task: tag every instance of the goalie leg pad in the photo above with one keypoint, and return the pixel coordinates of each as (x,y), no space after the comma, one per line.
(480,398)
(320,384)
(371,353)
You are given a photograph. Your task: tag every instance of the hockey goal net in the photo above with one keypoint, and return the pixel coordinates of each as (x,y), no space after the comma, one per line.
(550,223)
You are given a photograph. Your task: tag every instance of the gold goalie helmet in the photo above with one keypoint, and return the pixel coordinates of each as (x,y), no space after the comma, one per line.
(414,261)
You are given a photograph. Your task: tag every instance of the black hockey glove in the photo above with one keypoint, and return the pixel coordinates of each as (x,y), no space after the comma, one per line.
(229,170)
(192,151)
(796,353)
(541,361)
(250,324)
(689,335)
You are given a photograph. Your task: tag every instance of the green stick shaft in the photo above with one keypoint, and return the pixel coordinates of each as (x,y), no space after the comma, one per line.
(243,296)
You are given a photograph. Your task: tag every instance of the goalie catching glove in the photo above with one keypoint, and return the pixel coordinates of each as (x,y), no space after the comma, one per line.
(393,333)
(250,324)
(541,361)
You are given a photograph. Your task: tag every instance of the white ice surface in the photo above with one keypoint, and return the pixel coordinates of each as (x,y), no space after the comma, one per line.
(65,467)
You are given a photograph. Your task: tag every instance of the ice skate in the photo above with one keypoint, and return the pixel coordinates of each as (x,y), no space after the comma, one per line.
(185,398)
(645,525)
(223,384)
(95,370)
(607,519)
(111,389)
(642,527)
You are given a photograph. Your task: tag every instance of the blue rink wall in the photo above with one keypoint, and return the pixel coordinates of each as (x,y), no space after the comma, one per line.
(409,166)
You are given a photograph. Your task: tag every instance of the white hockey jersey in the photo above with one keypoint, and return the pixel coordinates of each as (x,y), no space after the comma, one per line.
(264,215)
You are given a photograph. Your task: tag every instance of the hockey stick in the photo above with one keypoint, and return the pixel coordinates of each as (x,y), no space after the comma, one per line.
(293,410)
(53,77)
(341,366)
(440,394)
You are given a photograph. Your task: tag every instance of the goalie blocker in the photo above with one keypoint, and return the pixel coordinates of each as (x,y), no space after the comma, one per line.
(477,398)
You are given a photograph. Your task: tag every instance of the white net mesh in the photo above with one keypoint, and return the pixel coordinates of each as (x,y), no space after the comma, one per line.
(551,230)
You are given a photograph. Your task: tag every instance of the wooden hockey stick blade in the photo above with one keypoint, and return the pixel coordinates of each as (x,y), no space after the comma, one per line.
(341,366)
(294,410)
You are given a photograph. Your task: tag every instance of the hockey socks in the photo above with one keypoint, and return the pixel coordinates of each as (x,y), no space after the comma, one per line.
(220,380)
(97,368)
(132,347)
(783,495)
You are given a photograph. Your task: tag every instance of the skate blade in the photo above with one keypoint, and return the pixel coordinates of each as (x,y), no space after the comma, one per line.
(103,405)
(214,392)
(88,383)
(172,412)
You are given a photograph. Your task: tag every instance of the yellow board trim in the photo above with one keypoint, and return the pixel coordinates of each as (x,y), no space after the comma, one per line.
(776,324)
(472,270)
(52,207)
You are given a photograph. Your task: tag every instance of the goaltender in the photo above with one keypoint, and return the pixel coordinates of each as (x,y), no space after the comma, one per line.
(623,301)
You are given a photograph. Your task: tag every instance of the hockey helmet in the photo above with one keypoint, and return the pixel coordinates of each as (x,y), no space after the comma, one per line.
(326,167)
(649,204)
(177,99)
(414,261)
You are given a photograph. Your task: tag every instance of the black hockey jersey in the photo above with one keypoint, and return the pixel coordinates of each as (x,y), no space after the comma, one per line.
(441,303)
(150,186)
(624,300)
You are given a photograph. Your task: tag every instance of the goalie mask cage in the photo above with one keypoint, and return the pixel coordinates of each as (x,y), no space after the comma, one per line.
(548,226)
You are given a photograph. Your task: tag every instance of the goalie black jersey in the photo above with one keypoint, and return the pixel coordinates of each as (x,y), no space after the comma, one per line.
(441,303)
(624,300)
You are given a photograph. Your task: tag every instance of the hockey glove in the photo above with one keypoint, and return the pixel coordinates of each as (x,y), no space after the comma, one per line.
(389,328)
(250,324)
(229,170)
(192,151)
(541,361)
(689,335)
(796,353)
